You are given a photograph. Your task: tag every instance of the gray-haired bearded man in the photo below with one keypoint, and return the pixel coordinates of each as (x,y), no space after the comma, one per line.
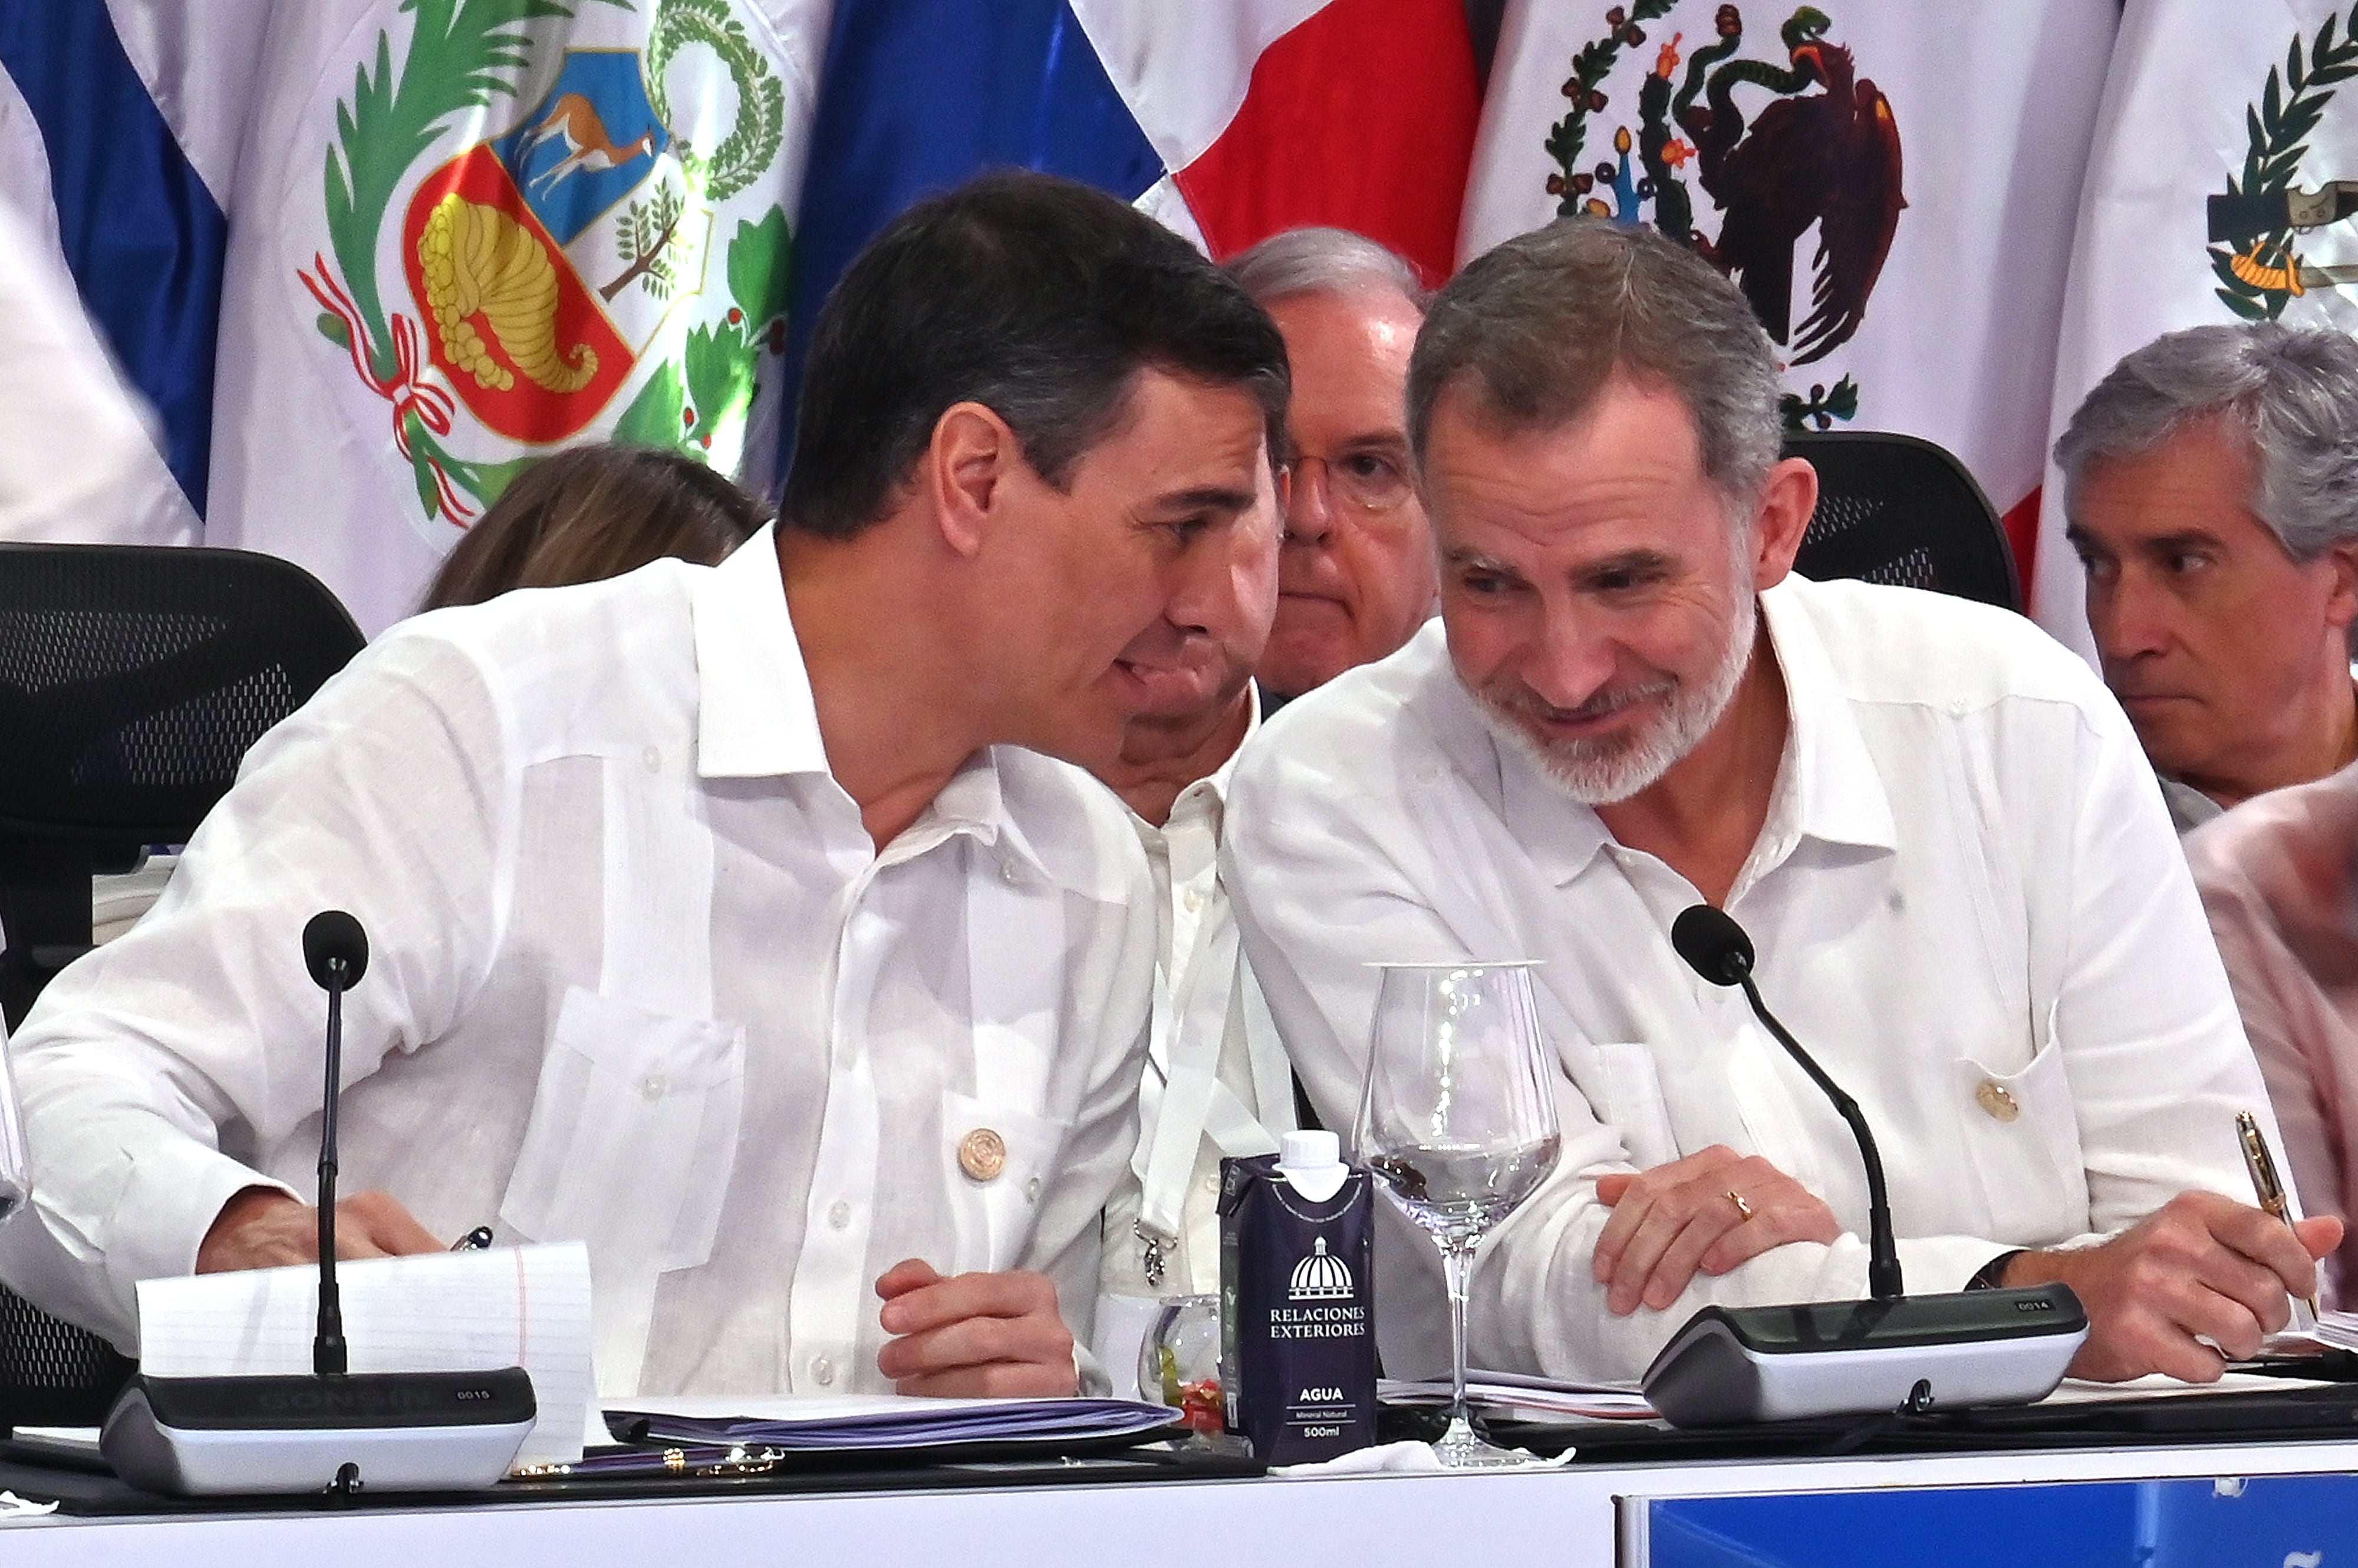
(1934,821)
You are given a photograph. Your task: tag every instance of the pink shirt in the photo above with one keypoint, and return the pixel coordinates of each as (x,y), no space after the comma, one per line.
(2278,880)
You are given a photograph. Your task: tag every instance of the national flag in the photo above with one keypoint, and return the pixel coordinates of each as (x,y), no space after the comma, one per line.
(1890,182)
(458,234)
(1231,120)
(2216,119)
(123,198)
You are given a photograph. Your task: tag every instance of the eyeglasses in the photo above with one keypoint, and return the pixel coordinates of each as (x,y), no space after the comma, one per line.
(1362,482)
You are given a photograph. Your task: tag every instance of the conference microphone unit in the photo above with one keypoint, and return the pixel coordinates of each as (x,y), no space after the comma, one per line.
(332,1430)
(1731,1365)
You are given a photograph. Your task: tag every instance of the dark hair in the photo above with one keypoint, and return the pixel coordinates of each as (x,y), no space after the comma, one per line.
(1036,297)
(594,512)
(1540,324)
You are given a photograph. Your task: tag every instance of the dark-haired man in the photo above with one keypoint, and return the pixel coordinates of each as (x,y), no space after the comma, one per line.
(1934,822)
(719,920)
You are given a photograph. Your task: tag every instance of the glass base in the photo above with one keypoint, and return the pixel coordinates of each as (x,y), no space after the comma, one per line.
(1463,1448)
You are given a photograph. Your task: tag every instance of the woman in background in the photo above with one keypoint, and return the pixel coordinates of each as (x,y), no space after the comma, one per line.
(591,512)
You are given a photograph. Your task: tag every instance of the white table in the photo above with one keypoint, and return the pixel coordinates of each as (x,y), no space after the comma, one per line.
(1558,1517)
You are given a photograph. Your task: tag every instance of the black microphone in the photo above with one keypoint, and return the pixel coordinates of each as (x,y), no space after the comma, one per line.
(335,949)
(1715,948)
(1730,1365)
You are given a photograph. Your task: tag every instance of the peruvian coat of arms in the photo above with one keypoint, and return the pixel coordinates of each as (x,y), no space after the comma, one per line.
(2277,247)
(1742,158)
(550,217)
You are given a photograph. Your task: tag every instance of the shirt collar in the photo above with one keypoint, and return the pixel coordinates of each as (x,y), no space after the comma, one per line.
(756,719)
(1827,784)
(1828,778)
(755,714)
(1209,794)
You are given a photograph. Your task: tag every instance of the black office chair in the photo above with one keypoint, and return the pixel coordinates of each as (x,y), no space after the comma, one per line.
(51,1373)
(132,680)
(1893,509)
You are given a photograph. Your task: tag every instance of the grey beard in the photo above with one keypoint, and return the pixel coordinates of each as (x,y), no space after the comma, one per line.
(1605,773)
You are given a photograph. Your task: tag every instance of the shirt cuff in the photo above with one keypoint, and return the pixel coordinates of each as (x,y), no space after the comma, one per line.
(175,1192)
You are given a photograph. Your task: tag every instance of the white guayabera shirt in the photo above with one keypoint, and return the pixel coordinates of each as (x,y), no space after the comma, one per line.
(639,978)
(1966,901)
(1215,1085)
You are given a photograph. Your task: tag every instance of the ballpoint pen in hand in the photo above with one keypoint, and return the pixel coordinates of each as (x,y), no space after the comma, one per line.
(476,1240)
(2265,1180)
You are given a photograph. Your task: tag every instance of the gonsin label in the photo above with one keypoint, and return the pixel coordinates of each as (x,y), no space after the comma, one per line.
(370,1399)
(1297,1314)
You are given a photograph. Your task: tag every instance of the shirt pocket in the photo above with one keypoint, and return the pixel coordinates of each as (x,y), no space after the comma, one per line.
(1627,1095)
(632,1131)
(993,1214)
(2022,1138)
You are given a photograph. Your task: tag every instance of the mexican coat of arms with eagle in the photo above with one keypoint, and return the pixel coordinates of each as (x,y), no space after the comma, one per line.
(1742,158)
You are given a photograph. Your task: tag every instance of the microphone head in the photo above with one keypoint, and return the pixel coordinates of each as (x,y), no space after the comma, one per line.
(330,938)
(1714,946)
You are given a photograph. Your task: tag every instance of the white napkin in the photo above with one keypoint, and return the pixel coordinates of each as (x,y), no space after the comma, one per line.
(1405,1459)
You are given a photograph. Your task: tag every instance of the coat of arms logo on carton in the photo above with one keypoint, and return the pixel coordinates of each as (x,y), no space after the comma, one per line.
(1297,1305)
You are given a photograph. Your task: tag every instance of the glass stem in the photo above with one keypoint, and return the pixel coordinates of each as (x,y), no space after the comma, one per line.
(1456,1263)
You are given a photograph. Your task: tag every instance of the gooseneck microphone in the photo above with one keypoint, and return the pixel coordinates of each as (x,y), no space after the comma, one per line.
(1715,948)
(332,1429)
(1731,1365)
(335,949)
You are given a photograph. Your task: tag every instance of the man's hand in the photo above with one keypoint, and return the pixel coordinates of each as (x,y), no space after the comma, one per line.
(2204,1264)
(974,1335)
(1676,1220)
(261,1228)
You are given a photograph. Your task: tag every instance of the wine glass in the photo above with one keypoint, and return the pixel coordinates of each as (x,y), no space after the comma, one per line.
(1458,1123)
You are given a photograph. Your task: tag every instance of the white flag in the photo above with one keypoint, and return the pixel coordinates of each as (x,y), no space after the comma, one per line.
(1892,182)
(466,232)
(461,233)
(2216,119)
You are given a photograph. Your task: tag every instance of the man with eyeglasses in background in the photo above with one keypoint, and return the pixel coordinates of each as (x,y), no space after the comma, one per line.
(1356,578)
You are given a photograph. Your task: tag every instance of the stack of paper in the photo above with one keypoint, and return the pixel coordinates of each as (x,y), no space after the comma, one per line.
(1523,1398)
(2339,1329)
(442,1312)
(854,1424)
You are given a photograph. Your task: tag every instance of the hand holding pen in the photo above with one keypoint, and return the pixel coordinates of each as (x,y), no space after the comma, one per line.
(2269,1186)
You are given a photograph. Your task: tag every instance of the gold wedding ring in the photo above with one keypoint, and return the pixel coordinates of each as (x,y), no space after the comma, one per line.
(1741,1207)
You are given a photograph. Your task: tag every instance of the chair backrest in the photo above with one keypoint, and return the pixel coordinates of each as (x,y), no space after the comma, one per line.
(132,679)
(51,1373)
(1893,509)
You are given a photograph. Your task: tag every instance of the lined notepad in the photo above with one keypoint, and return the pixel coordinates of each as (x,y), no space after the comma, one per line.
(441,1312)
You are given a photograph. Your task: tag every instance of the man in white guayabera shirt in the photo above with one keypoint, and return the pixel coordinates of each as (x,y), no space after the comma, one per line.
(718,919)
(1216,1083)
(1935,823)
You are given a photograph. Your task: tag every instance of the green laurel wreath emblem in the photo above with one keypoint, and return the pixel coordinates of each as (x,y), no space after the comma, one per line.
(2256,281)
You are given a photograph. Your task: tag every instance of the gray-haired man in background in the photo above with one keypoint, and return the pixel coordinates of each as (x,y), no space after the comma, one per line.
(2212,484)
(1356,578)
